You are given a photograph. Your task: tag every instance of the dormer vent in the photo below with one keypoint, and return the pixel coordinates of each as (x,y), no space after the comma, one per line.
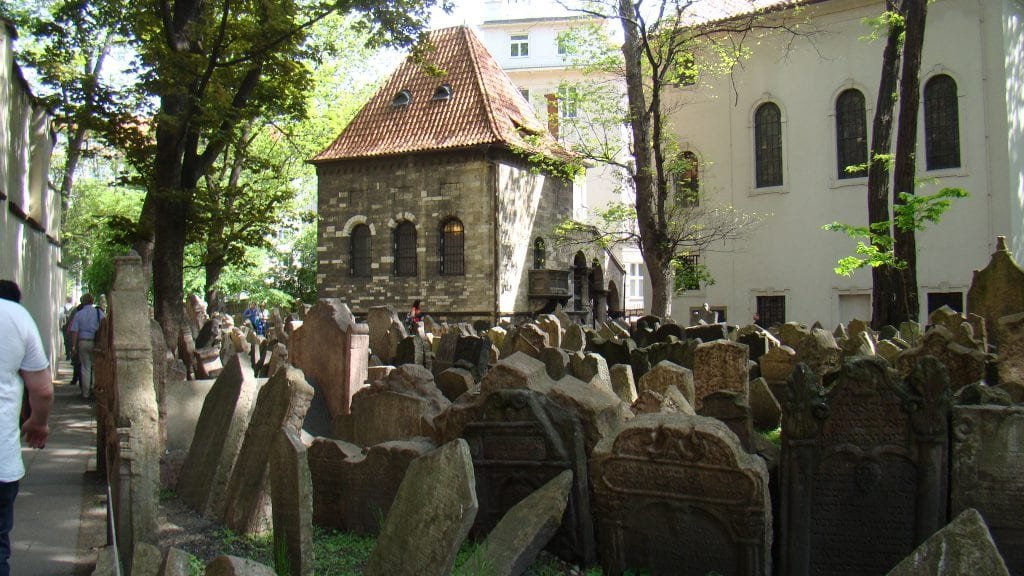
(443,92)
(403,98)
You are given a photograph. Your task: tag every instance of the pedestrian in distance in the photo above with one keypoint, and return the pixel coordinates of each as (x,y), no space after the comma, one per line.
(84,326)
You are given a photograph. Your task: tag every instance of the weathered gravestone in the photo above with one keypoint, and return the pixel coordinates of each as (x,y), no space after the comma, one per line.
(281,402)
(235,566)
(218,438)
(988,473)
(332,350)
(454,382)
(776,367)
(622,382)
(676,494)
(474,354)
(430,517)
(764,407)
(964,547)
(591,368)
(863,474)
(820,351)
(666,374)
(411,350)
(352,489)
(550,324)
(379,322)
(292,501)
(402,405)
(519,440)
(1011,352)
(964,364)
(720,365)
(998,290)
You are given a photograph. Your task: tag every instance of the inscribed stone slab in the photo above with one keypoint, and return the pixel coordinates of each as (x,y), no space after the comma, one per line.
(998,290)
(332,349)
(963,547)
(720,365)
(291,494)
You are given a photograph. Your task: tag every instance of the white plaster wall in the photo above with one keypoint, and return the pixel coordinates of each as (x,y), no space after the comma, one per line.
(789,254)
(1005,59)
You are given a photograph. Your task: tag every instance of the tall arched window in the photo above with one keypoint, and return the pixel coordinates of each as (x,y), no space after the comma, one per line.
(941,124)
(768,145)
(686,180)
(851,134)
(453,247)
(540,253)
(405,249)
(359,251)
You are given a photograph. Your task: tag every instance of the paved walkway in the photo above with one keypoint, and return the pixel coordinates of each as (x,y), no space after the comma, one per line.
(56,528)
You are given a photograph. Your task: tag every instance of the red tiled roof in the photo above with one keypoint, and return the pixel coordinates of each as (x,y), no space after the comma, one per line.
(485,107)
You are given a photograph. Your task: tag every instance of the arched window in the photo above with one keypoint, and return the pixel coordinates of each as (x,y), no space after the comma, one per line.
(851,134)
(768,145)
(941,124)
(405,249)
(453,248)
(359,251)
(686,180)
(540,253)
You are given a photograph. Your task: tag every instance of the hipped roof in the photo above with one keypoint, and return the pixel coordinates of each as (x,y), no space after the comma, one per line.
(485,108)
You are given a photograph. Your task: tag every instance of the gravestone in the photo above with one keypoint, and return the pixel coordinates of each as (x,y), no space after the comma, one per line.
(1011,350)
(379,322)
(573,340)
(731,408)
(863,478)
(591,368)
(292,502)
(622,382)
(332,350)
(764,407)
(520,440)
(998,289)
(671,401)
(411,350)
(430,517)
(757,339)
(278,358)
(720,365)
(965,365)
(281,402)
(988,473)
(667,374)
(403,405)
(218,438)
(820,352)
(235,566)
(557,362)
(964,546)
(353,489)
(792,333)
(473,353)
(676,494)
(552,327)
(708,333)
(454,382)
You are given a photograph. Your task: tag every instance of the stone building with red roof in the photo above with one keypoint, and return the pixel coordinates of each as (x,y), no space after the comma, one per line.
(446,188)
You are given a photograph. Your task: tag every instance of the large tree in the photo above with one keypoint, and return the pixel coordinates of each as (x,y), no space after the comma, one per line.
(663,44)
(213,67)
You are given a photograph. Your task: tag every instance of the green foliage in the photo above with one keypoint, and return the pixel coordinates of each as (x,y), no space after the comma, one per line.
(282,564)
(875,244)
(773,436)
(687,274)
(341,553)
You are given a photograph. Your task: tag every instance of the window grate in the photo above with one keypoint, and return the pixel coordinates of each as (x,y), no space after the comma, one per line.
(360,251)
(405,249)
(771,310)
(851,134)
(941,124)
(768,145)
(453,245)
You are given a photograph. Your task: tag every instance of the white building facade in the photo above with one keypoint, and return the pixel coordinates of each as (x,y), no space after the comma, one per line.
(773,139)
(522,35)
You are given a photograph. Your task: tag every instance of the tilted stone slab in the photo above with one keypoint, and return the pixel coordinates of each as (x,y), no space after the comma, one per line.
(282,402)
(622,382)
(964,364)
(291,495)
(998,289)
(514,543)
(430,517)
(218,438)
(1011,350)
(176,563)
(235,566)
(666,374)
(332,349)
(963,547)
(720,365)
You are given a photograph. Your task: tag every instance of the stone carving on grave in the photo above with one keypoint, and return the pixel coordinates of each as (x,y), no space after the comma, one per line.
(1011,351)
(862,480)
(820,351)
(332,349)
(520,440)
(998,290)
(965,365)
(988,473)
(551,326)
(677,494)
(720,365)
(666,374)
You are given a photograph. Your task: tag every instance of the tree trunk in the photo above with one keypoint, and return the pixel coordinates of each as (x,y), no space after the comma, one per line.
(905,163)
(883,305)
(213,271)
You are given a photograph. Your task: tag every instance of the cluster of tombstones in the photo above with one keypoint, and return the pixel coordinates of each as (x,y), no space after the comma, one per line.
(636,447)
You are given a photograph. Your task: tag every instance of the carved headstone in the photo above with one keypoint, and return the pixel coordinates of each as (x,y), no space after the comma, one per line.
(235,566)
(557,362)
(820,352)
(667,374)
(421,536)
(454,382)
(1011,350)
(379,322)
(964,546)
(281,402)
(403,405)
(550,324)
(677,494)
(352,489)
(218,438)
(965,365)
(998,290)
(720,365)
(591,368)
(988,473)
(573,340)
(764,407)
(332,349)
(622,382)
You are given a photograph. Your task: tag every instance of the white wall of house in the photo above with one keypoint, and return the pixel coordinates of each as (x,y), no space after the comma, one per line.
(976,42)
(29,208)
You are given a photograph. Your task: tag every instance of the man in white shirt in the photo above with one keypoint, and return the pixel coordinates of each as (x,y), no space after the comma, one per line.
(24,367)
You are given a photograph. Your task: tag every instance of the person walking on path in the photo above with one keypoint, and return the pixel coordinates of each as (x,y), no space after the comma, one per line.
(66,314)
(24,368)
(83,333)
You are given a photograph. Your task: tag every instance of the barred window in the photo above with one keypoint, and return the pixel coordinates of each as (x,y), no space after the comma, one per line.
(768,145)
(405,249)
(851,134)
(941,124)
(453,245)
(686,180)
(359,251)
(540,253)
(771,310)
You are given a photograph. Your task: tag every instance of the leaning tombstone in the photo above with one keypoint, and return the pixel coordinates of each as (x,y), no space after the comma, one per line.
(235,566)
(666,374)
(281,402)
(622,382)
(720,365)
(988,473)
(1011,350)
(292,502)
(430,517)
(964,364)
(964,546)
(863,477)
(764,407)
(665,507)
(998,290)
(332,349)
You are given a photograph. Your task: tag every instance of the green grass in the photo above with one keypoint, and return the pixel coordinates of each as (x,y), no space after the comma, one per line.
(773,436)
